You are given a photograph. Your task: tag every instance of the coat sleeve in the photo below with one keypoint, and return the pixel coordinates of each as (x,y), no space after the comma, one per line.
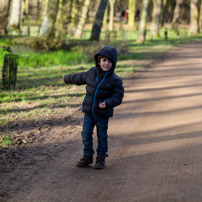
(78,79)
(117,96)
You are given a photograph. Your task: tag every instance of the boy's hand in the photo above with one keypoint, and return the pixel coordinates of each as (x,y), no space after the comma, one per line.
(102,105)
(63,79)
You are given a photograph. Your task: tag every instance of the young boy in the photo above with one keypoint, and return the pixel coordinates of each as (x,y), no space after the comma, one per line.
(104,91)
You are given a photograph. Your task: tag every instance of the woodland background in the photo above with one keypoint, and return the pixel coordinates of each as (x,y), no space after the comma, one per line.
(70,18)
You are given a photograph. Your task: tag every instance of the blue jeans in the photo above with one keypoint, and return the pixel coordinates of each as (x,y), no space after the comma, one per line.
(89,123)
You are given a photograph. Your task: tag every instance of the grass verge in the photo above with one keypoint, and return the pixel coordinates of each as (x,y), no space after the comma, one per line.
(40,91)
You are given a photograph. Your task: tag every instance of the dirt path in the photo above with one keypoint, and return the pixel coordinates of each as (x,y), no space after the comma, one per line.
(155,143)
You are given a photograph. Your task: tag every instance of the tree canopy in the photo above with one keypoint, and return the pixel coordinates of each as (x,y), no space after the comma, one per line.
(70,18)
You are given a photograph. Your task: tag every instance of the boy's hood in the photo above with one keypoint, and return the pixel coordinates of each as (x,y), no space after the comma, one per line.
(109,52)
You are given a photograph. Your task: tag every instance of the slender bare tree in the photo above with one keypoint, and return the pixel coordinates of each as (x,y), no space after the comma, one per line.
(15,14)
(38,10)
(97,25)
(154,30)
(164,5)
(4,14)
(111,17)
(74,12)
(176,16)
(106,14)
(82,20)
(194,28)
(143,21)
(47,29)
(131,14)
(200,18)
(63,17)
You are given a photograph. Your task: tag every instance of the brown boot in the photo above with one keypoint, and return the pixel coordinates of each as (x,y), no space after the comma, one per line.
(85,161)
(100,162)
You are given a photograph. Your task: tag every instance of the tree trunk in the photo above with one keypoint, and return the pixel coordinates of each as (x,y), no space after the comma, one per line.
(143,22)
(45,7)
(176,15)
(82,21)
(154,30)
(97,25)
(131,14)
(164,5)
(47,29)
(4,14)
(111,17)
(194,28)
(15,14)
(74,13)
(62,21)
(200,18)
(106,15)
(38,11)
(27,7)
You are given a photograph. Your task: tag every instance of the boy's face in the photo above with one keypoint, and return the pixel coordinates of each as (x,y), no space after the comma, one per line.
(105,64)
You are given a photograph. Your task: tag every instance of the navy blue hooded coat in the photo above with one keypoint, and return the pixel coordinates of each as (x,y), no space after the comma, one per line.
(101,86)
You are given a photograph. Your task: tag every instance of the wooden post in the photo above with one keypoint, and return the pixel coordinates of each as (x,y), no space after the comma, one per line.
(166,34)
(8,74)
(28,30)
(114,34)
(125,34)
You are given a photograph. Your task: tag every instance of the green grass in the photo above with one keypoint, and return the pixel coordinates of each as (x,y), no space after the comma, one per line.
(40,91)
(6,141)
(48,59)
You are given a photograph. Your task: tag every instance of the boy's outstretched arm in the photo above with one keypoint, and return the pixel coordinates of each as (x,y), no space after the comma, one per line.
(78,79)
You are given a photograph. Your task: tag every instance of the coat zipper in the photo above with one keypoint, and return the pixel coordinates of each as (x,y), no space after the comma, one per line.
(96,92)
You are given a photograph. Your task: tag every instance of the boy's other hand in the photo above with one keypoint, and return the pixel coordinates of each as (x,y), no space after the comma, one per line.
(102,105)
